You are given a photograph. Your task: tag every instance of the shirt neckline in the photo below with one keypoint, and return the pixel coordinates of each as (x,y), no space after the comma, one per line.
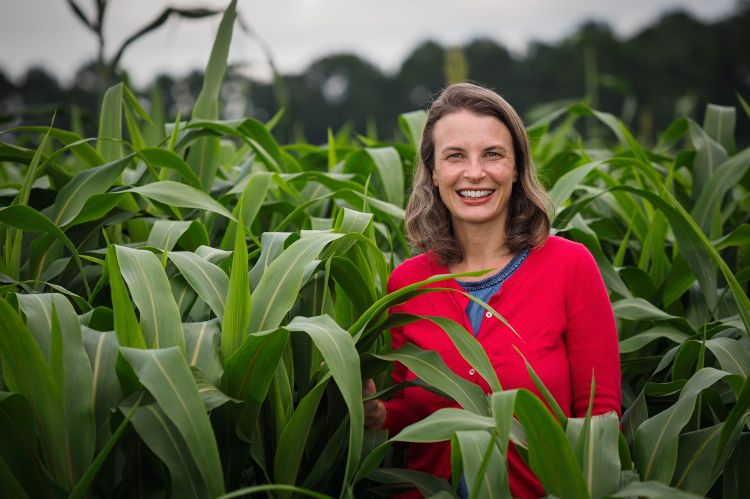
(498,277)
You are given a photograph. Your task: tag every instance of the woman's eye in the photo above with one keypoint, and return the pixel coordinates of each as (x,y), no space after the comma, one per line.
(493,154)
(455,155)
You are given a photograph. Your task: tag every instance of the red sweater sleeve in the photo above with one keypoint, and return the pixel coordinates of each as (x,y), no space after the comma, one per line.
(591,339)
(398,416)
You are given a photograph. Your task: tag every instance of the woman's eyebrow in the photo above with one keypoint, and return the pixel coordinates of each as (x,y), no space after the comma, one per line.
(451,148)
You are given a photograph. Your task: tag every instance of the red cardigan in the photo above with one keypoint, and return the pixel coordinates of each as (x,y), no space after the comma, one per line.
(556,301)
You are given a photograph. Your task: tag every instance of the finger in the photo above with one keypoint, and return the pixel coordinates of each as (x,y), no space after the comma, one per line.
(368,388)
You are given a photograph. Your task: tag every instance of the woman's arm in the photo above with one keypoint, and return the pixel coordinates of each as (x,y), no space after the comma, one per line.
(591,339)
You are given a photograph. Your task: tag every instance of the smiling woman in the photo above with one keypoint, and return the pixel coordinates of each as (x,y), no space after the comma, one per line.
(474,171)
(477,204)
(469,116)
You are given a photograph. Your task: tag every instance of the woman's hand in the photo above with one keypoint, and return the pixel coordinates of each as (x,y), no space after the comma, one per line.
(374,409)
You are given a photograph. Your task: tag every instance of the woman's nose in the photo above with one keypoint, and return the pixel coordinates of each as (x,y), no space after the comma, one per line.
(474,169)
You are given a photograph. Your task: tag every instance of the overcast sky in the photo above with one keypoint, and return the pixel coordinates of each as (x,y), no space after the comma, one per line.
(46,33)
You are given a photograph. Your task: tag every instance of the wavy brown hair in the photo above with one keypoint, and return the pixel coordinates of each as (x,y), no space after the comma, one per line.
(428,222)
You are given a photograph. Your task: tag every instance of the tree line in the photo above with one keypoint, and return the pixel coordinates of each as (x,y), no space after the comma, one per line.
(674,67)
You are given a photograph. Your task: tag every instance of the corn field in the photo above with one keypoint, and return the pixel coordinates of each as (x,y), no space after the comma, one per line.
(188,309)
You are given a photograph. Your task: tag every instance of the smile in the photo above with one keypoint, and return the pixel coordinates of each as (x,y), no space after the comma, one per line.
(475,193)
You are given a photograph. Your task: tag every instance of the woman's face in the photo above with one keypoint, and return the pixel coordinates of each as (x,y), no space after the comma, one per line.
(474,168)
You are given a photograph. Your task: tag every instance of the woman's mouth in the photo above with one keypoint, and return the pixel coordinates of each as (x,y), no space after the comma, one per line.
(475,193)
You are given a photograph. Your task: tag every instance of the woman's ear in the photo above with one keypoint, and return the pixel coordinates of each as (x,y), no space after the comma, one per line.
(434,178)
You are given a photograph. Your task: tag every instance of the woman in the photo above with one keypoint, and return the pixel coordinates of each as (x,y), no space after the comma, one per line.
(477,204)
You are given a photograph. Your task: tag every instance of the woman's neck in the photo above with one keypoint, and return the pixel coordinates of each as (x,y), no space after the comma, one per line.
(483,248)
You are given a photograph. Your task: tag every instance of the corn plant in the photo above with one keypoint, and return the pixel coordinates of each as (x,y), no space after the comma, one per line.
(188,309)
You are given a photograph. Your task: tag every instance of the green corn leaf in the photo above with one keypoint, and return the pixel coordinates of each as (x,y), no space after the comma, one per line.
(110,123)
(260,139)
(163,158)
(470,349)
(291,446)
(656,439)
(566,184)
(733,426)
(161,435)
(165,233)
(257,489)
(371,461)
(249,371)
(18,450)
(211,396)
(14,238)
(698,251)
(734,478)
(97,206)
(278,287)
(272,245)
(644,338)
(430,368)
(558,471)
(160,317)
(85,184)
(482,465)
(30,220)
(204,153)
(38,319)
(355,283)
(207,102)
(387,164)
(383,304)
(544,391)
(652,489)
(411,125)
(134,133)
(638,309)
(75,377)
(719,123)
(599,458)
(738,237)
(106,394)
(79,491)
(428,485)
(25,371)
(165,373)
(207,279)
(733,355)
(502,404)
(127,329)
(342,360)
(709,155)
(239,300)
(202,348)
(254,195)
(78,145)
(708,205)
(442,424)
(181,195)
(248,130)
(8,483)
(696,454)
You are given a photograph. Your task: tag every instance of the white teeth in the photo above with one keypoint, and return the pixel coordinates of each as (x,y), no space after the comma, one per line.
(474,194)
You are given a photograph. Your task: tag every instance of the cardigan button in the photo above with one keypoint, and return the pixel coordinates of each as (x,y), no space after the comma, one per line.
(471,372)
(488,315)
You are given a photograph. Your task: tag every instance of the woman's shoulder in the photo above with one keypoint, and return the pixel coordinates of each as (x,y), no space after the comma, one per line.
(562,250)
(411,270)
